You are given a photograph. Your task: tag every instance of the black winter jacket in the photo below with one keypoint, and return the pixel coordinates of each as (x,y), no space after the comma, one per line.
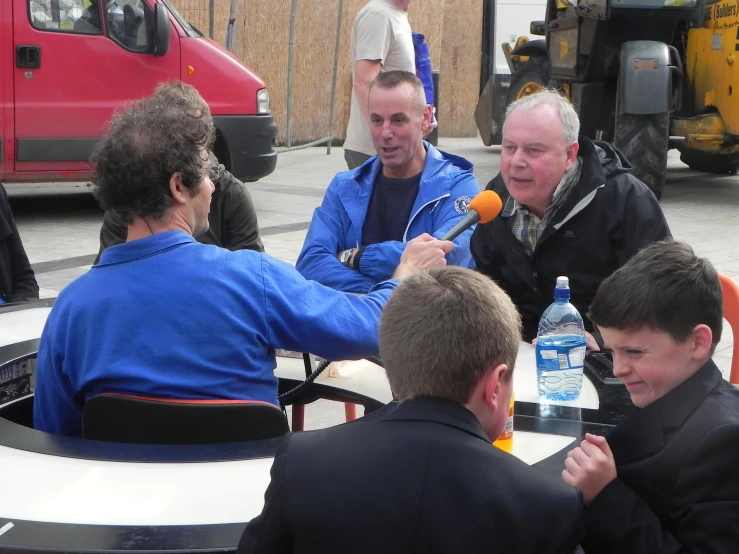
(608,216)
(17,281)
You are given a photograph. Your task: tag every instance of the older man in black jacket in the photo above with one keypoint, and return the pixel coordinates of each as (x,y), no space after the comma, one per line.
(17,281)
(571,208)
(232,218)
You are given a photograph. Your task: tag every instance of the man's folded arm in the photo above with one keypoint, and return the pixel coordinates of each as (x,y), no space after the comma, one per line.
(325,239)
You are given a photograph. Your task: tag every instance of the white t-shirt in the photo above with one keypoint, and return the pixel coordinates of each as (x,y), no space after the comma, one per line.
(381,32)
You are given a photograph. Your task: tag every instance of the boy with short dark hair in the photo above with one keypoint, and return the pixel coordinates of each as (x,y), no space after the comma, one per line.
(666,479)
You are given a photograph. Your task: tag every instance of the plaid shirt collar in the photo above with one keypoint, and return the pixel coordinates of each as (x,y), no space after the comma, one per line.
(525,225)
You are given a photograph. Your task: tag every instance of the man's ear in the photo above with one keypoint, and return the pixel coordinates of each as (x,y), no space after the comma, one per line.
(702,341)
(572,149)
(426,119)
(493,379)
(177,188)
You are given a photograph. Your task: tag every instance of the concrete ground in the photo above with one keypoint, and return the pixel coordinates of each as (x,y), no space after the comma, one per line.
(59,224)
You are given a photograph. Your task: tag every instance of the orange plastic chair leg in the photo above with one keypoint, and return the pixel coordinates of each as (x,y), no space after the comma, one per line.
(298,417)
(350,410)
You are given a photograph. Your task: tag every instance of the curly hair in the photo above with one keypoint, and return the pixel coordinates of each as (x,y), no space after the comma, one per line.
(149,140)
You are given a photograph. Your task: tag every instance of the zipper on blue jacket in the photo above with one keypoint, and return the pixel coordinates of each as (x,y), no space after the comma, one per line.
(418,211)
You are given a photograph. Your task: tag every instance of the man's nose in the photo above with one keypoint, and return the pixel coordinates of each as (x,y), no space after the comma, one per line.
(519,158)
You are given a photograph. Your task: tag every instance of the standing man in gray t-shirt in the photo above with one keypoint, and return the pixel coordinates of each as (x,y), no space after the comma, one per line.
(381,41)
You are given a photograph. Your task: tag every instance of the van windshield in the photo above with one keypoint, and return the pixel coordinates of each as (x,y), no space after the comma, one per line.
(191,30)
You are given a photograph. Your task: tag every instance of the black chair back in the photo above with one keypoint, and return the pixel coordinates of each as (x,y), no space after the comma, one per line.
(131,419)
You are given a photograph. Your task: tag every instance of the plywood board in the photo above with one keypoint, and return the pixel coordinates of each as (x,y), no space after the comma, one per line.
(261,40)
(460,67)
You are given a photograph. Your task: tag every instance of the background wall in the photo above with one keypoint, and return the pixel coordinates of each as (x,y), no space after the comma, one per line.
(453,29)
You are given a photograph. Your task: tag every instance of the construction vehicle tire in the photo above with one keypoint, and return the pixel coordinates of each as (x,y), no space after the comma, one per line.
(644,140)
(531,77)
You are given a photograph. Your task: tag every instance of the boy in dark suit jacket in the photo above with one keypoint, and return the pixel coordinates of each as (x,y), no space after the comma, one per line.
(421,475)
(666,479)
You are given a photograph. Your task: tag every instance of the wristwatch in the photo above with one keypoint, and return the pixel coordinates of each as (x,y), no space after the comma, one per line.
(346,256)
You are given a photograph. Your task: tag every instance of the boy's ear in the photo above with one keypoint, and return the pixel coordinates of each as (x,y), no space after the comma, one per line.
(494,377)
(702,341)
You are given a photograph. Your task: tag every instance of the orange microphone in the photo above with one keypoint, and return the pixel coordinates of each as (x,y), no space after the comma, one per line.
(483,208)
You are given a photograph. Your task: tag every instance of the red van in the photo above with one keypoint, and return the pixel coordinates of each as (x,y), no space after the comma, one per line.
(75,61)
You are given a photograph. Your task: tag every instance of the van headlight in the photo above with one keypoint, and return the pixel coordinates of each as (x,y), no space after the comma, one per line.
(262,101)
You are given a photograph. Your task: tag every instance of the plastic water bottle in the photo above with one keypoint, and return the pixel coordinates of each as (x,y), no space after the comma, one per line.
(560,347)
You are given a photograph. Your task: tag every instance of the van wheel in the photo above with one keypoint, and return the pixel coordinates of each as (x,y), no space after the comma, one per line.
(531,77)
(710,162)
(644,140)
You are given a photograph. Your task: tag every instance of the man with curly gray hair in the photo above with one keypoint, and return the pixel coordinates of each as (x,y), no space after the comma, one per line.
(164,316)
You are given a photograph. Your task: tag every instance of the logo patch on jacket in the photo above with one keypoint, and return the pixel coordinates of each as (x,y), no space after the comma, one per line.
(568,234)
(461,204)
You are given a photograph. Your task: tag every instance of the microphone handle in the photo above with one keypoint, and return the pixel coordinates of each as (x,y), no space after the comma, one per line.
(465,223)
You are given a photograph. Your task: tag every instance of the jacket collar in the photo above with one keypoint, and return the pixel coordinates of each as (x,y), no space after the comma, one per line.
(643,433)
(435,184)
(439,410)
(144,248)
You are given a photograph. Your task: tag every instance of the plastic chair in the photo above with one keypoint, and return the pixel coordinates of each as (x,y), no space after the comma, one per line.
(730,290)
(142,420)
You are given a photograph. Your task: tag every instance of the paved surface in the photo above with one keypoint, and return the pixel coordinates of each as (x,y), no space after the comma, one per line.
(59,225)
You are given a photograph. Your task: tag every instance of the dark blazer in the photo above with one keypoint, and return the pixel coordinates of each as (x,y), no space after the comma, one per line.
(678,475)
(417,477)
(232,219)
(17,281)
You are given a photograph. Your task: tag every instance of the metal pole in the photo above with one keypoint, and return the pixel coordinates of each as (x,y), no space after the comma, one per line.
(333,82)
(211,17)
(230,28)
(290,64)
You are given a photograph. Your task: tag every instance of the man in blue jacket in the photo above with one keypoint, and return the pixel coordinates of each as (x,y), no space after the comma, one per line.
(368,214)
(164,316)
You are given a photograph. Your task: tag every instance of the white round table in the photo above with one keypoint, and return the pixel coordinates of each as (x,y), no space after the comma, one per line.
(44,487)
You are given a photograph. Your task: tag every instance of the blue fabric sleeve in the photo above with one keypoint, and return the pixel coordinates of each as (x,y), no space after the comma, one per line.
(54,407)
(380,260)
(326,237)
(305,316)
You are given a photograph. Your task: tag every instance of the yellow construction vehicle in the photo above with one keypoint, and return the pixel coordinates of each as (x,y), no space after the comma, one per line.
(646,75)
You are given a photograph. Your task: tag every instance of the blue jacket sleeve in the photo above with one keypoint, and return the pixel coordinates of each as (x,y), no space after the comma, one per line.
(55,409)
(325,239)
(380,260)
(305,316)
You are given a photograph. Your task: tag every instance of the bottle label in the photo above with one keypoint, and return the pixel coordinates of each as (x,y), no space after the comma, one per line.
(560,353)
(508,431)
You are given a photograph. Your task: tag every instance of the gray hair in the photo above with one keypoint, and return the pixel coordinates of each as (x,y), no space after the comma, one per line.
(550,97)
(397,77)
